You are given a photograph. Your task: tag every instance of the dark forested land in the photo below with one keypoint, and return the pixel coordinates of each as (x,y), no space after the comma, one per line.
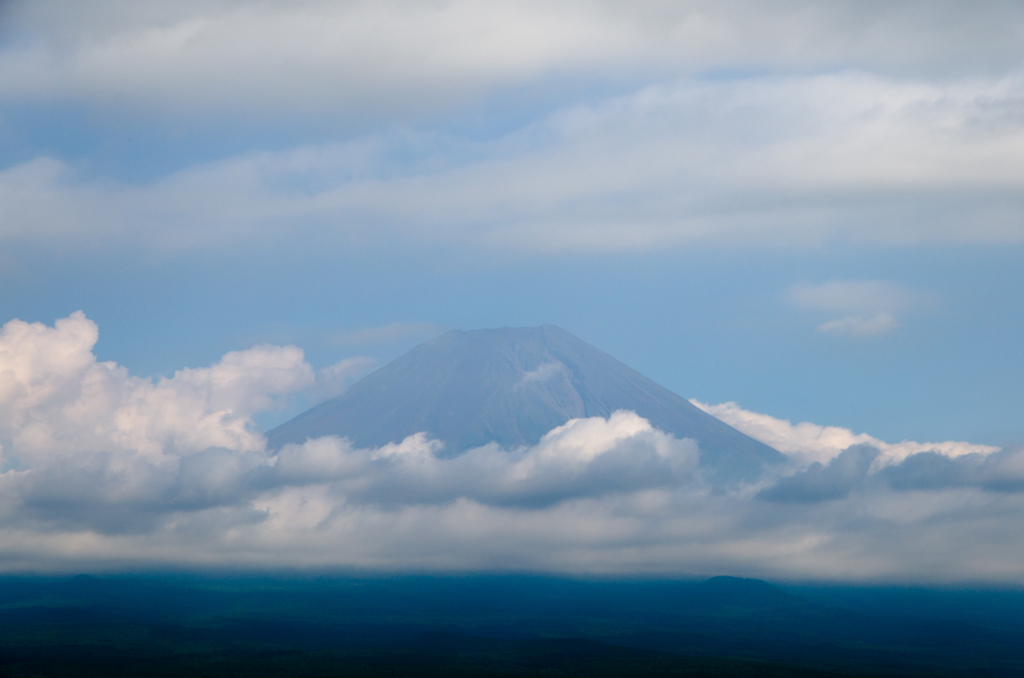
(498,626)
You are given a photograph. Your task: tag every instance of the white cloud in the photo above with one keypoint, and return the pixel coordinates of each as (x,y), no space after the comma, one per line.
(805,442)
(873,301)
(542,373)
(56,400)
(585,457)
(108,470)
(332,380)
(360,58)
(341,56)
(793,161)
(858,296)
(857,326)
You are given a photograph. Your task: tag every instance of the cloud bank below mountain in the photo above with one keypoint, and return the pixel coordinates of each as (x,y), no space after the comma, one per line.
(105,470)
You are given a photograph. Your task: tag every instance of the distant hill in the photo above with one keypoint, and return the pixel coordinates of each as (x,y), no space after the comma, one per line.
(496,626)
(511,386)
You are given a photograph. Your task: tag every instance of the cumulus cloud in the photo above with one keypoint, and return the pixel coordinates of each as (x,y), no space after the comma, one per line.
(854,469)
(831,461)
(582,458)
(103,469)
(1002,471)
(57,400)
(805,443)
(88,446)
(819,482)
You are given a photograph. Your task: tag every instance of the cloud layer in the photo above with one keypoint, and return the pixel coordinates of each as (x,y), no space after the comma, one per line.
(805,443)
(851,123)
(102,469)
(388,55)
(780,161)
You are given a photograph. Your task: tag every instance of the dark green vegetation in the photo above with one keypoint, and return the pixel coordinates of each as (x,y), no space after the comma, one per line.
(498,626)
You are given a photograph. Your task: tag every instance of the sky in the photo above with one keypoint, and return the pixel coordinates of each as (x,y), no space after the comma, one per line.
(807,217)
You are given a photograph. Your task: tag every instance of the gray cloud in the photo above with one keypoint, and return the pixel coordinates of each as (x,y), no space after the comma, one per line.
(834,480)
(791,161)
(860,126)
(1002,471)
(584,458)
(999,471)
(381,58)
(106,470)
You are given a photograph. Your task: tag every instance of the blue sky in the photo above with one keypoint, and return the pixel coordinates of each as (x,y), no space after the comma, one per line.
(655,180)
(815,210)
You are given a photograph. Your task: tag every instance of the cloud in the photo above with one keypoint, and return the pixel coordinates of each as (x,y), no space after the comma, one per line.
(874,302)
(582,458)
(856,296)
(857,326)
(105,470)
(654,125)
(805,443)
(998,471)
(791,161)
(348,58)
(57,400)
(331,381)
(78,432)
(382,58)
(542,373)
(385,334)
(818,482)
(1002,471)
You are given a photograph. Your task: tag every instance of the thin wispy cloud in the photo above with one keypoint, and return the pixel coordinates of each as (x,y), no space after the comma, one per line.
(384,334)
(863,296)
(542,373)
(859,326)
(334,379)
(666,166)
(868,308)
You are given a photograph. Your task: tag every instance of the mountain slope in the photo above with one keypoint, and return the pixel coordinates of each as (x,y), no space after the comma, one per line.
(513,385)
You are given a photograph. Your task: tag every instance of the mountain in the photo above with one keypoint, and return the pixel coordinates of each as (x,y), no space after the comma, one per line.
(513,385)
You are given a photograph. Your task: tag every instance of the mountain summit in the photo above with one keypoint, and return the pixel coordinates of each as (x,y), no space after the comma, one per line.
(511,386)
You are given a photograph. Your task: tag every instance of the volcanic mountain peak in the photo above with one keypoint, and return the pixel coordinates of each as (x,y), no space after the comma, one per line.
(511,386)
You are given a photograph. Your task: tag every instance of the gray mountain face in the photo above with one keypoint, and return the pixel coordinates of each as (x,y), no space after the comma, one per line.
(511,386)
